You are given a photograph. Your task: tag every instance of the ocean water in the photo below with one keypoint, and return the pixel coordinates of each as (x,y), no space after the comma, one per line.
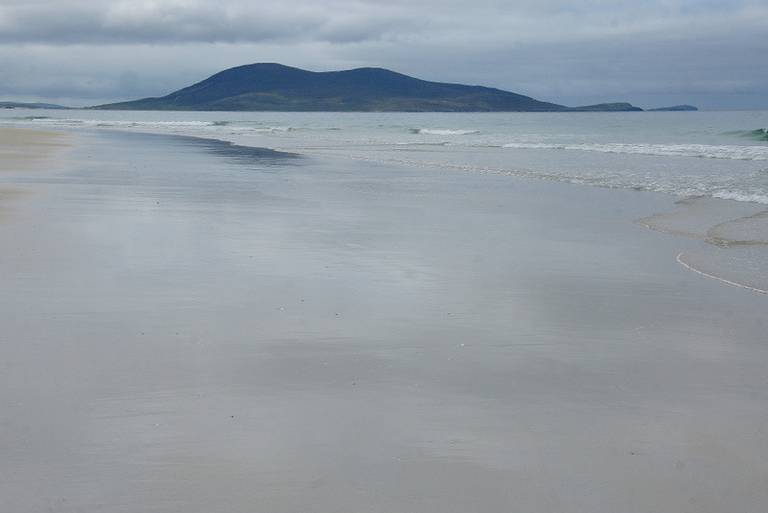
(716,154)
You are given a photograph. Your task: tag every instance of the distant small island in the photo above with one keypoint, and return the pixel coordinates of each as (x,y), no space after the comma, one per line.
(275,87)
(675,108)
(607,107)
(23,105)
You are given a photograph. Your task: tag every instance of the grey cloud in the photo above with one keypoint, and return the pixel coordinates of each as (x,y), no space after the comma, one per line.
(342,21)
(171,22)
(567,51)
(122,24)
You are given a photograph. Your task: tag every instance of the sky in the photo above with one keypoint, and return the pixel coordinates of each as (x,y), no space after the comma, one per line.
(710,53)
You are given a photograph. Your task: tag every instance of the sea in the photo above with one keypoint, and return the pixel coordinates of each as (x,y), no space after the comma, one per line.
(711,154)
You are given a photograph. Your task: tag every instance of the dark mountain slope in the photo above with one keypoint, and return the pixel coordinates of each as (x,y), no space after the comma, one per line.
(277,87)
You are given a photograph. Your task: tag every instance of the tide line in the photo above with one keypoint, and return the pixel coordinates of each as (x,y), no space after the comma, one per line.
(728,282)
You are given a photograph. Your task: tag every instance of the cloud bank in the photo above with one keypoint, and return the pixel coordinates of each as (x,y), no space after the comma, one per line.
(653,52)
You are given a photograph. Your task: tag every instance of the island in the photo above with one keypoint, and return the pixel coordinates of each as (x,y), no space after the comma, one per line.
(276,87)
(22,105)
(675,108)
(608,107)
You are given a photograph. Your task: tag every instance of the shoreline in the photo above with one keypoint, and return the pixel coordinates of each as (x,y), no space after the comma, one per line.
(682,262)
(478,145)
(726,228)
(663,222)
(20,140)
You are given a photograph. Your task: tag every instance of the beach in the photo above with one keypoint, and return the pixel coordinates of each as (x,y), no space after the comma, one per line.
(24,148)
(190,325)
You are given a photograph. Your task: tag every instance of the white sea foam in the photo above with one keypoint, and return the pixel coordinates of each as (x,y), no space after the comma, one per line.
(411,143)
(730,152)
(724,187)
(444,131)
(684,260)
(159,125)
(741,196)
(688,159)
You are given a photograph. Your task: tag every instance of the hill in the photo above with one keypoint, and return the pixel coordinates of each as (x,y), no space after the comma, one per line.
(675,108)
(274,87)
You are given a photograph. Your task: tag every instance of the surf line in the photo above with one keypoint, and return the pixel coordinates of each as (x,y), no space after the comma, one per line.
(729,282)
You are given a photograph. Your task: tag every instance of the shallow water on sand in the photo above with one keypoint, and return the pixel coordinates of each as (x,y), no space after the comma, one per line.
(192,326)
(736,233)
(717,154)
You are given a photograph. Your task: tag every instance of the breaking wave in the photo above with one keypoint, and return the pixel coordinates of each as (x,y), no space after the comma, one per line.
(728,152)
(442,131)
(214,127)
(760,134)
(573,154)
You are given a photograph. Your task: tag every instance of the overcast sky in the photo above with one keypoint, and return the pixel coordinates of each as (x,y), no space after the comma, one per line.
(713,53)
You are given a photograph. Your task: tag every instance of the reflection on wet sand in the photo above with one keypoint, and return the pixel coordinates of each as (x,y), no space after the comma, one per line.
(24,149)
(181,332)
(245,155)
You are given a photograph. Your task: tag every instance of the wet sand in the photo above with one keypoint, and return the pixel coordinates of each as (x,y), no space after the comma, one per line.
(22,149)
(193,326)
(736,234)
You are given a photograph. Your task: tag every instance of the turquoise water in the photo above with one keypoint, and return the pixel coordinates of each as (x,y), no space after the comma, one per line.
(682,153)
